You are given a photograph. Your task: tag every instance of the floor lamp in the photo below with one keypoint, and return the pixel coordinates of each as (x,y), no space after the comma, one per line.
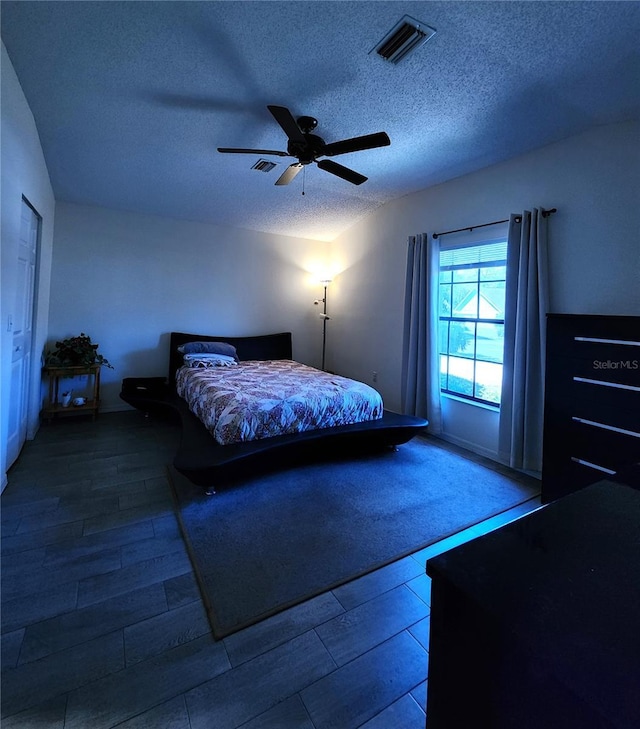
(324,316)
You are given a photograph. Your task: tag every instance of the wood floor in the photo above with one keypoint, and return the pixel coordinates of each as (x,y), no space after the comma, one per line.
(103,626)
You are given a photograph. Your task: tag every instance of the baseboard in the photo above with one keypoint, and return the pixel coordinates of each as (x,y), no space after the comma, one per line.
(467,445)
(120,408)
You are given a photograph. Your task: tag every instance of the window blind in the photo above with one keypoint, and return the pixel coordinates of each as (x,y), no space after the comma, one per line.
(479,254)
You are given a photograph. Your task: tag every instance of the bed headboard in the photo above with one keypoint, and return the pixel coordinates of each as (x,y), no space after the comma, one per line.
(261,347)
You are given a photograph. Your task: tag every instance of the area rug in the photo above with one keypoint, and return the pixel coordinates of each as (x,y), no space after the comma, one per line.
(278,539)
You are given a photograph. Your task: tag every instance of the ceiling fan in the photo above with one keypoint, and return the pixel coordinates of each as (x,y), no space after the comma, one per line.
(307,147)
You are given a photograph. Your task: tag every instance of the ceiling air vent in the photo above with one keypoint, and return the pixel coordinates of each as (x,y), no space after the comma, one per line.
(402,39)
(263,165)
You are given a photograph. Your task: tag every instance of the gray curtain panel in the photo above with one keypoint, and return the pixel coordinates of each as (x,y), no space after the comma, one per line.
(420,356)
(526,306)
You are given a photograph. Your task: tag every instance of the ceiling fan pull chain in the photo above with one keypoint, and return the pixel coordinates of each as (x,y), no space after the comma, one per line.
(304,174)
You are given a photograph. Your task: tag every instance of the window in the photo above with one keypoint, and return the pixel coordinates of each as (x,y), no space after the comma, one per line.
(471,312)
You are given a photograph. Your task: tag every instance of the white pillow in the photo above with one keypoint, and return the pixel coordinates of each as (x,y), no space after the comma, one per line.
(204,360)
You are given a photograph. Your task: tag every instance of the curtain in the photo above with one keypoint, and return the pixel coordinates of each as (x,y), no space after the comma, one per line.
(526,305)
(420,358)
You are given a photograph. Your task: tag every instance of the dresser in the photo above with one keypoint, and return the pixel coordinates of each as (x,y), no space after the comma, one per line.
(592,400)
(536,625)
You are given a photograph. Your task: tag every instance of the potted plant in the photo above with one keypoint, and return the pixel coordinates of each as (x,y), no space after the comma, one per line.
(75,352)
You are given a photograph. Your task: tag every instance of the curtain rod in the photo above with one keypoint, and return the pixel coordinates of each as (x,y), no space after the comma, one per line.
(545,214)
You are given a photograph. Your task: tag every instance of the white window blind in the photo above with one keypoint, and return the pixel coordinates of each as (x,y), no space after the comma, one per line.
(470,255)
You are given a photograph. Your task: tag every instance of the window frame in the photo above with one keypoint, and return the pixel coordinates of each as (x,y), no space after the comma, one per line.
(448,320)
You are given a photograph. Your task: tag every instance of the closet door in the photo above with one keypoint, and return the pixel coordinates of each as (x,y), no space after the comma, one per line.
(22,327)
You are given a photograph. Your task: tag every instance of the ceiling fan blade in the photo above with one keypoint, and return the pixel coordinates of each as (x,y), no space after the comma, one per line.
(289,125)
(235,150)
(356,144)
(335,169)
(288,175)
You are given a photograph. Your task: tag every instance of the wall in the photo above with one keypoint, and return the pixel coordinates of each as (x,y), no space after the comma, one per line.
(592,179)
(23,173)
(128,280)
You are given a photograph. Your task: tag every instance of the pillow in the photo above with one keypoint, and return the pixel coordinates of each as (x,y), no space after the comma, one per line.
(206,360)
(209,356)
(209,348)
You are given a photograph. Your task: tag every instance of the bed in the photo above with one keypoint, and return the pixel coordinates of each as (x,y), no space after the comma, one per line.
(210,464)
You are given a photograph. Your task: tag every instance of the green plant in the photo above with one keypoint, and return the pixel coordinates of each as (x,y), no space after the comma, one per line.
(76,351)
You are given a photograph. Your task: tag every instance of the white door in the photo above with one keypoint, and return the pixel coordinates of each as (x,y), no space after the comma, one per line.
(22,327)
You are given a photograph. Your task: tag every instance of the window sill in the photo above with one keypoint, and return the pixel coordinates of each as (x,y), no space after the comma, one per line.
(473,403)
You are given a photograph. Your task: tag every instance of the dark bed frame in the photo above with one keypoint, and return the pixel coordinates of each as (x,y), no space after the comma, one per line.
(208,464)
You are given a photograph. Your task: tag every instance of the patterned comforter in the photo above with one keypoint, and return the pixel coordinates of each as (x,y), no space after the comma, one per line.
(261,399)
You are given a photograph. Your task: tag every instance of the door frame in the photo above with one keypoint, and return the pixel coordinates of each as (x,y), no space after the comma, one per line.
(35,376)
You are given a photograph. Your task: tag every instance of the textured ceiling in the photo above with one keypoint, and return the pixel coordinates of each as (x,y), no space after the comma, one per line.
(131,99)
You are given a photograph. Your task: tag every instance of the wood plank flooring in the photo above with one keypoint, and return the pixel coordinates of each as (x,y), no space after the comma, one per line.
(103,625)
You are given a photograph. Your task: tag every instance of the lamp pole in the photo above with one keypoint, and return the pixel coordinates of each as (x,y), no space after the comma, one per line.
(324,326)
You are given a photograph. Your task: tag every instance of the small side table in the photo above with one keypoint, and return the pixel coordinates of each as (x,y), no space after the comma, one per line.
(55,374)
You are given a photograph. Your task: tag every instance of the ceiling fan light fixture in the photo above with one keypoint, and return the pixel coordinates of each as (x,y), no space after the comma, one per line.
(263,165)
(404,38)
(307,148)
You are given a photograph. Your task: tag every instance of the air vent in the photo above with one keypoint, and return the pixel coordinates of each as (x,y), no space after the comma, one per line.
(263,165)
(403,39)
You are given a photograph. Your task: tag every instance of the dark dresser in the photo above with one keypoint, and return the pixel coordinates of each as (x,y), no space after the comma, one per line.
(537,624)
(592,400)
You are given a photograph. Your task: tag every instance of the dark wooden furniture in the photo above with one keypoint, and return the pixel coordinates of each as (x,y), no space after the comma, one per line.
(592,400)
(537,624)
(209,464)
(54,407)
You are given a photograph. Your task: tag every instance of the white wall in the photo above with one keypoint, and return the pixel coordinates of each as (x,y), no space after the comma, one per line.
(127,280)
(23,173)
(592,179)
